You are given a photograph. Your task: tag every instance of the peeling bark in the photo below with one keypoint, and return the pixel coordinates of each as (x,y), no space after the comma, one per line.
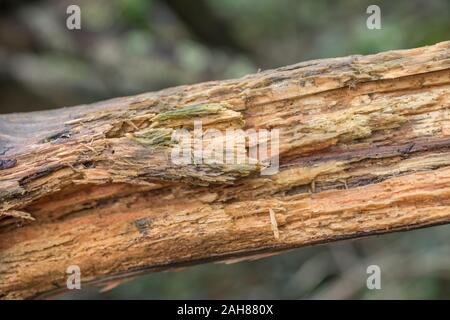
(364,149)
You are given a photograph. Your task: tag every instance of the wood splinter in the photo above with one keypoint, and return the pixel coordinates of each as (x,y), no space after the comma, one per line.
(274,224)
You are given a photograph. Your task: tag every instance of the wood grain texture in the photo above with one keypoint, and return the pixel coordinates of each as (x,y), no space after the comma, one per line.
(364,149)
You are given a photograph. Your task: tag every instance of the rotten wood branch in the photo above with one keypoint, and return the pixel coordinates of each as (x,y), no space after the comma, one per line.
(364,149)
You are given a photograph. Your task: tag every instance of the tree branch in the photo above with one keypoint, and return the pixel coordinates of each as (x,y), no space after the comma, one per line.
(364,149)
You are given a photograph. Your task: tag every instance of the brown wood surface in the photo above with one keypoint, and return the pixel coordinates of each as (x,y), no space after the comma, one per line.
(364,149)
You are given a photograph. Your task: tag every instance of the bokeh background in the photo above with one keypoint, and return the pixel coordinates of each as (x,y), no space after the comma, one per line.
(132,46)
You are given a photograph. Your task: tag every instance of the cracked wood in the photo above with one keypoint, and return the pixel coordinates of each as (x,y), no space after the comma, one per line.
(364,149)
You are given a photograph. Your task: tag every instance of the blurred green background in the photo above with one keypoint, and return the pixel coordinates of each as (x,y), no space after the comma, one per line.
(134,46)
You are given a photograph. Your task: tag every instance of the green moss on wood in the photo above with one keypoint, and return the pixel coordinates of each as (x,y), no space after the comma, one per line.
(156,137)
(191,112)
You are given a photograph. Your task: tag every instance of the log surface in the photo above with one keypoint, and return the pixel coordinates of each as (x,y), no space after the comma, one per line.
(364,149)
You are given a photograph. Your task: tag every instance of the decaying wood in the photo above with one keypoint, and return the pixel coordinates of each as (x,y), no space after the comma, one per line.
(364,149)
